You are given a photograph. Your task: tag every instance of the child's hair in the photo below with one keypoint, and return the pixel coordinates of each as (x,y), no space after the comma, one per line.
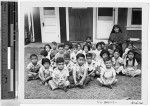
(44,53)
(89,55)
(103,52)
(61,45)
(98,44)
(88,46)
(59,60)
(102,43)
(113,31)
(130,51)
(110,47)
(80,55)
(45,60)
(117,50)
(129,42)
(67,55)
(88,37)
(54,43)
(108,59)
(47,45)
(33,55)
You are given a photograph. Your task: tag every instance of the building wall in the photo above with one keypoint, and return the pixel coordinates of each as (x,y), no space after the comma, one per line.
(122,21)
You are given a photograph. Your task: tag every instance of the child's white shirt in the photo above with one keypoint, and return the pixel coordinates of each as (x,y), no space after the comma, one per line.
(45,72)
(70,66)
(92,66)
(60,76)
(80,70)
(73,57)
(117,62)
(108,73)
(97,53)
(48,56)
(33,68)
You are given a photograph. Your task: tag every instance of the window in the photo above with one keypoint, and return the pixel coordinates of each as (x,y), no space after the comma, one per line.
(134,20)
(49,11)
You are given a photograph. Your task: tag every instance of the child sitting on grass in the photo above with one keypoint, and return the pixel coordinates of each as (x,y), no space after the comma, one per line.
(91,66)
(129,47)
(59,76)
(33,68)
(130,65)
(45,72)
(47,47)
(108,74)
(69,65)
(117,62)
(80,71)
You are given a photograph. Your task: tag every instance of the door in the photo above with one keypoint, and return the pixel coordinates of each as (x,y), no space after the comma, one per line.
(80,23)
(50,26)
(105,22)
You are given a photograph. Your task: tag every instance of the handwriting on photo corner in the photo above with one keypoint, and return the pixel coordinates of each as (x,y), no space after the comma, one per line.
(115,102)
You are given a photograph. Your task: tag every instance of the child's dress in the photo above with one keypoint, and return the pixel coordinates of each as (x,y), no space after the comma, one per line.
(59,78)
(107,76)
(48,55)
(118,64)
(130,68)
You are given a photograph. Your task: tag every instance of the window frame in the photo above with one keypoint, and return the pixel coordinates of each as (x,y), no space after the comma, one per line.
(130,26)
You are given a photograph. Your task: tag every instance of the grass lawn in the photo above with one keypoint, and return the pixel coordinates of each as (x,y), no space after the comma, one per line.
(126,87)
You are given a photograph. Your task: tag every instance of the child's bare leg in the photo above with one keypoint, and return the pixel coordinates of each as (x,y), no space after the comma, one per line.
(30,77)
(52,84)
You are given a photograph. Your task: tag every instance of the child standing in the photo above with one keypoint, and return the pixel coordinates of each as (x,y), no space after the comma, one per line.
(47,47)
(108,74)
(130,65)
(45,72)
(33,67)
(117,62)
(80,71)
(60,76)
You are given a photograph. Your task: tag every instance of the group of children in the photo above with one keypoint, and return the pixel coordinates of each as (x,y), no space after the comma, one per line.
(66,65)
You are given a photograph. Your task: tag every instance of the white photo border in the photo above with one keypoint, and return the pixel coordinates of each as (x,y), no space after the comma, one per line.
(145,12)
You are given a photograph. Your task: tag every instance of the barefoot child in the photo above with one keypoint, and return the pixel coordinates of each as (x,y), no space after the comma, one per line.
(45,72)
(80,71)
(33,67)
(59,76)
(108,74)
(130,65)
